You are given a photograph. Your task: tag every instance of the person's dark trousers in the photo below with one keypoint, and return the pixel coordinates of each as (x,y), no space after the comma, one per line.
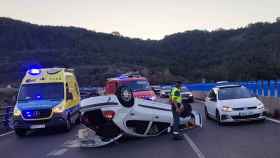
(175,120)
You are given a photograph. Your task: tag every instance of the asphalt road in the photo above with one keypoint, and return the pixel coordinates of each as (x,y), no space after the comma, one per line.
(246,140)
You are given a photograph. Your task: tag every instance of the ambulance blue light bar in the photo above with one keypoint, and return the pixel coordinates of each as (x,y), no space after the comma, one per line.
(34,71)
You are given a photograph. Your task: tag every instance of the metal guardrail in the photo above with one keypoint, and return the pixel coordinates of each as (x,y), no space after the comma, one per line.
(6,114)
(261,87)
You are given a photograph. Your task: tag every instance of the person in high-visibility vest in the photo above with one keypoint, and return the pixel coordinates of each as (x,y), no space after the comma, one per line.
(177,108)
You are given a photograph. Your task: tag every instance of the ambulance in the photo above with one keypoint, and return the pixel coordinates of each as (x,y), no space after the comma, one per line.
(47,98)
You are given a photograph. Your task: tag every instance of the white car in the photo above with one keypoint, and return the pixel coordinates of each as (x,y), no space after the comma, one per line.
(233,103)
(108,118)
(165,91)
(187,94)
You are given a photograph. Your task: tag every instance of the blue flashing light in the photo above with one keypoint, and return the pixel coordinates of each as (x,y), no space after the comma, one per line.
(122,77)
(34,71)
(28,113)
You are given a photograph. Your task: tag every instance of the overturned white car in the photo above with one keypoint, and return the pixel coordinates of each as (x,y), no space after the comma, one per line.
(108,118)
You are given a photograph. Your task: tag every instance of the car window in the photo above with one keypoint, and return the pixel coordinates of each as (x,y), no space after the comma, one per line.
(166,88)
(234,93)
(212,94)
(41,91)
(185,89)
(137,85)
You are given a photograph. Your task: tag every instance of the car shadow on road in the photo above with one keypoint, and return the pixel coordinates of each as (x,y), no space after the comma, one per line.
(246,123)
(46,132)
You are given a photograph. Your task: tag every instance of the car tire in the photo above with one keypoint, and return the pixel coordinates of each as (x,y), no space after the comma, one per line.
(191,100)
(261,120)
(218,117)
(126,101)
(20,132)
(206,113)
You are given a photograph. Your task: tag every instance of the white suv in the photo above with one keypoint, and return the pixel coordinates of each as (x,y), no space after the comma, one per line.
(233,103)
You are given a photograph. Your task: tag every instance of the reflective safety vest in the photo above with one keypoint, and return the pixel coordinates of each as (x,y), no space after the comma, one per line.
(176,95)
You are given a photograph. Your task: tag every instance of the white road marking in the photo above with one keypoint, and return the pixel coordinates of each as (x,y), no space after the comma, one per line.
(58,152)
(272,120)
(6,133)
(72,143)
(194,147)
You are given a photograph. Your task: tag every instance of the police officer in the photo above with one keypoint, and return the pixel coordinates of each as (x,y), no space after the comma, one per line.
(177,108)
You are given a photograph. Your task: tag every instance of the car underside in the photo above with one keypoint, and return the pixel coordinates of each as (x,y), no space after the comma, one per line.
(108,118)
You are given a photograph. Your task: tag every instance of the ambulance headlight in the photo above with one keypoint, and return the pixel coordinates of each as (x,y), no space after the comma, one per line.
(34,71)
(58,109)
(17,112)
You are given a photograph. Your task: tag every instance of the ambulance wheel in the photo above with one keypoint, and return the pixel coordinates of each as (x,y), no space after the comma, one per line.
(125,96)
(68,125)
(20,132)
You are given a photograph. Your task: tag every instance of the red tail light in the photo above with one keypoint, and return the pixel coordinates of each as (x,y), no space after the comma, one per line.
(108,114)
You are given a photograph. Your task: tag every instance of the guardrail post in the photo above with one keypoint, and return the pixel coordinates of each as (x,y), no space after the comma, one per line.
(265,88)
(259,86)
(272,88)
(278,88)
(7,117)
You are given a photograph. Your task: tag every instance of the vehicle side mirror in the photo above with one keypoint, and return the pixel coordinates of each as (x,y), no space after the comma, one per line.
(69,96)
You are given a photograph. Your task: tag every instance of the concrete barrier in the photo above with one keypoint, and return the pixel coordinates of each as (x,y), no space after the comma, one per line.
(272,106)
(200,95)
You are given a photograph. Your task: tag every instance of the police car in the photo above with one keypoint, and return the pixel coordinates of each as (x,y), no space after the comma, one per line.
(108,118)
(233,103)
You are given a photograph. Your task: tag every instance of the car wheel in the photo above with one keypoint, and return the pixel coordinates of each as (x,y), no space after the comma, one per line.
(21,132)
(218,117)
(206,113)
(261,120)
(191,100)
(125,96)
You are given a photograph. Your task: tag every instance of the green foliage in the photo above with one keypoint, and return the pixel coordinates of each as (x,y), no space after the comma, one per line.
(243,54)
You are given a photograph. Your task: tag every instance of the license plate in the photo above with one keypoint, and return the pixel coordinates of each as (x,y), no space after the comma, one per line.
(37,126)
(245,113)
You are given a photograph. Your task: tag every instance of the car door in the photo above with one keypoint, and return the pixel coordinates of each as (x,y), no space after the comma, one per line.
(211,103)
(139,118)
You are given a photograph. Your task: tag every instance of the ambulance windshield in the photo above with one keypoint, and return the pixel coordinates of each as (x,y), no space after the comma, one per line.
(41,91)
